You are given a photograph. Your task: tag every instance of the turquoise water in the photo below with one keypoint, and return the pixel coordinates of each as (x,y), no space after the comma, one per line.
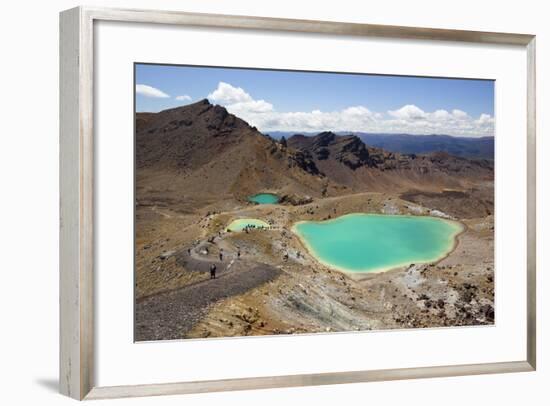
(241,224)
(264,198)
(374,243)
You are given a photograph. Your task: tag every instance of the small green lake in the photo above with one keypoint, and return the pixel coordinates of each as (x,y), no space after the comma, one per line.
(374,243)
(241,224)
(264,198)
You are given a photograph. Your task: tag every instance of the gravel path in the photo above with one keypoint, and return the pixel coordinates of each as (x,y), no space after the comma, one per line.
(172,314)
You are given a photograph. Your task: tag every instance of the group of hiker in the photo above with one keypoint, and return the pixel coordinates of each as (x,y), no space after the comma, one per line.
(249,227)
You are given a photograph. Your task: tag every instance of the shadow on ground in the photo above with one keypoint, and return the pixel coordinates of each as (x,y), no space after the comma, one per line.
(50,384)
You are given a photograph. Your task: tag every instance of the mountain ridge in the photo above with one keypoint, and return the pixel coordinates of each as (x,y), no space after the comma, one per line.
(203,150)
(347,160)
(466,147)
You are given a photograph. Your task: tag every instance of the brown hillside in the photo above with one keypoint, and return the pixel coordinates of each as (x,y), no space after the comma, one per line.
(201,151)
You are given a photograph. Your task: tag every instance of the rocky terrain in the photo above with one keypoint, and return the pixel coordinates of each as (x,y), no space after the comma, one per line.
(346,160)
(195,167)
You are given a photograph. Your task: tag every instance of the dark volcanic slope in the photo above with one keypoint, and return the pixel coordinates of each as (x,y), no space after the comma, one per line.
(345,159)
(202,150)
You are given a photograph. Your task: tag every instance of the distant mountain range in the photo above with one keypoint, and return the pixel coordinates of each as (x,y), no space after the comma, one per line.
(466,147)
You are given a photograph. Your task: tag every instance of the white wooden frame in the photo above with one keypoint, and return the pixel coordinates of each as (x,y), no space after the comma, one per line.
(77,208)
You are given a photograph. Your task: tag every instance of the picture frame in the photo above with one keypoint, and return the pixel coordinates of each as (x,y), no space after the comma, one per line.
(77,185)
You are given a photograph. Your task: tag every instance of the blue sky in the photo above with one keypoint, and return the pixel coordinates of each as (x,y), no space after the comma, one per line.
(308,101)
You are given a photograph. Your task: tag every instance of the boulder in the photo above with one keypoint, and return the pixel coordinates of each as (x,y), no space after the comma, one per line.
(295,200)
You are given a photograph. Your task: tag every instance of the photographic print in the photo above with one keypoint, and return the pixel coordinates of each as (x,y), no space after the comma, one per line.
(290,202)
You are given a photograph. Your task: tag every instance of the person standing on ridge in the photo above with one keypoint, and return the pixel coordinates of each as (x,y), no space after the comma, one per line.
(213,271)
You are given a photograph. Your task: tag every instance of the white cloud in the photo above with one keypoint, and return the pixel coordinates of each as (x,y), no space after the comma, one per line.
(150,91)
(406,119)
(485,120)
(255,106)
(356,111)
(227,94)
(461,115)
(239,100)
(408,112)
(184,97)
(441,114)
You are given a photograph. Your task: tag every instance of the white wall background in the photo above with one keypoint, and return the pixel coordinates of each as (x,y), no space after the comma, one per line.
(29,199)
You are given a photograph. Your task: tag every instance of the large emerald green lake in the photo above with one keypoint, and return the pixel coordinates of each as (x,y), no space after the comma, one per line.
(264,198)
(373,243)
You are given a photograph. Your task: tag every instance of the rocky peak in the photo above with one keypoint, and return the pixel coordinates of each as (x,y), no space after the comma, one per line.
(203,102)
(347,149)
(353,153)
(325,138)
